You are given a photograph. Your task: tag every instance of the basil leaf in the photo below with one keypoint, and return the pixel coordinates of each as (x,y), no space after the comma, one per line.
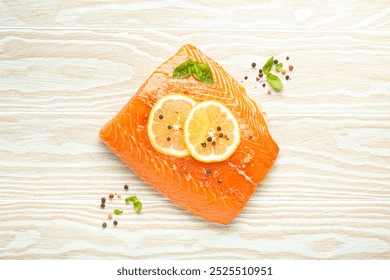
(274,81)
(268,65)
(279,67)
(199,69)
(203,73)
(137,204)
(183,70)
(118,212)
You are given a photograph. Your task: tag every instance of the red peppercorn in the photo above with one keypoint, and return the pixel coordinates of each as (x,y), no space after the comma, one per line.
(290,67)
(111,196)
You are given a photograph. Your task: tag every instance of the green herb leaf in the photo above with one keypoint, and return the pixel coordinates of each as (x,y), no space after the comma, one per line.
(274,81)
(118,212)
(268,65)
(137,204)
(199,69)
(183,70)
(279,67)
(202,72)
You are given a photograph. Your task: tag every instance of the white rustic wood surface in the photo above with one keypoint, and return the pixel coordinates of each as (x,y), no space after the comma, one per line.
(66,67)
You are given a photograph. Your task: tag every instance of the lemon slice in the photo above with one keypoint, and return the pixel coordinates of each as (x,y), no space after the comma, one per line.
(211,132)
(166,124)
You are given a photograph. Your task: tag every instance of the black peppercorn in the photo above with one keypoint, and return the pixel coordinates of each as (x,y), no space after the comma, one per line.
(104,225)
(253,64)
(203,145)
(219,128)
(246,77)
(102,205)
(276,61)
(103,199)
(219,181)
(287,77)
(126,187)
(220,135)
(209,139)
(208,171)
(168,138)
(169,126)
(115,223)
(160,117)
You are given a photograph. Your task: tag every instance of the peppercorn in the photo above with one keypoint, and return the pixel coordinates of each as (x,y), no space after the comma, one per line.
(261,75)
(102,205)
(219,128)
(219,181)
(208,171)
(246,77)
(283,71)
(168,138)
(115,223)
(204,145)
(290,67)
(169,126)
(213,143)
(276,61)
(111,196)
(220,135)
(103,199)
(263,84)
(287,58)
(269,91)
(287,77)
(257,79)
(126,187)
(209,139)
(110,215)
(160,117)
(260,71)
(104,225)
(253,64)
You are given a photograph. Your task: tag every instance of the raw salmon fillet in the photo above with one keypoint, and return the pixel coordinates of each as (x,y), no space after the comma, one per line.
(185,180)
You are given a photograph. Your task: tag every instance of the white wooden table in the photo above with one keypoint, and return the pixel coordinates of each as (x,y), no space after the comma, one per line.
(66,67)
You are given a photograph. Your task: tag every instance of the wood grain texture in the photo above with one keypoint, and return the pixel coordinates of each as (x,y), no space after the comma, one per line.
(67,66)
(45,228)
(97,71)
(201,14)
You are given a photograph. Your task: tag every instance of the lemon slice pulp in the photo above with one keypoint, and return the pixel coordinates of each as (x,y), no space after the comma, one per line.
(211,132)
(166,121)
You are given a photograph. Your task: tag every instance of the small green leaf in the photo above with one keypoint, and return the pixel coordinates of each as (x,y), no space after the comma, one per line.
(137,204)
(203,73)
(279,67)
(118,212)
(183,70)
(274,81)
(199,69)
(268,65)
